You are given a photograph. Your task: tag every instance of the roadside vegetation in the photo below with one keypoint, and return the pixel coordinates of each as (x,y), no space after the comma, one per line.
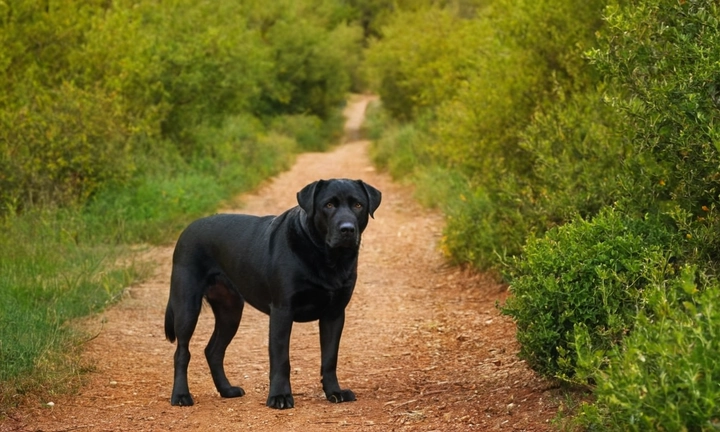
(572,145)
(120,122)
(574,148)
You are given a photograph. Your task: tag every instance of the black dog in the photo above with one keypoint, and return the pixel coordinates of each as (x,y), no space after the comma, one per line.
(298,266)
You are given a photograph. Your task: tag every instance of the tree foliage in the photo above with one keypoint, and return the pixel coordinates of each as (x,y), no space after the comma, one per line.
(89,88)
(493,92)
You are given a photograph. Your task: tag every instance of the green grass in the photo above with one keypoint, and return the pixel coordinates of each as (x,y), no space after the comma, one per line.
(48,279)
(153,208)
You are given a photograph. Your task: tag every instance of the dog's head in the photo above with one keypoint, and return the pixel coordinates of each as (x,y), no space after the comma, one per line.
(339,209)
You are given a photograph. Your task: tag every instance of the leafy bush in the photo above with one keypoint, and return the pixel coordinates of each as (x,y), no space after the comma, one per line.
(575,162)
(399,150)
(91,87)
(661,58)
(495,101)
(377,120)
(436,184)
(311,132)
(209,72)
(312,66)
(666,374)
(580,287)
(62,148)
(592,179)
(152,206)
(421,58)
(657,61)
(478,230)
(522,61)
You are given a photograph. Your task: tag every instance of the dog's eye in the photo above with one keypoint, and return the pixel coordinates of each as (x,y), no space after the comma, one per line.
(330,205)
(358,205)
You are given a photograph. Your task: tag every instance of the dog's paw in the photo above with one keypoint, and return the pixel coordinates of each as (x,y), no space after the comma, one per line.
(231,392)
(281,401)
(342,396)
(182,400)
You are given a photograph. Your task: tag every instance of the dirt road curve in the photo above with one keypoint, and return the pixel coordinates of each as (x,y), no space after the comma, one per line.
(424,347)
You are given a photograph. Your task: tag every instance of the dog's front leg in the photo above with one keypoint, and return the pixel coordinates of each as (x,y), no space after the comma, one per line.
(280,396)
(330,332)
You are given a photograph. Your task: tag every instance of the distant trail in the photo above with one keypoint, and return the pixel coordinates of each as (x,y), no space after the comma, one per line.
(424,347)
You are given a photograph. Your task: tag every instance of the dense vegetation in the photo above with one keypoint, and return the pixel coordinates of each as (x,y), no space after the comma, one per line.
(574,148)
(122,120)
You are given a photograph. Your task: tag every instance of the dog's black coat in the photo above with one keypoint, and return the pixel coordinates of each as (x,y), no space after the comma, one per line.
(298,266)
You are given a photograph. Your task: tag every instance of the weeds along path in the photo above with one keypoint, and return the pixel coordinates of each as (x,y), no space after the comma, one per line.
(424,347)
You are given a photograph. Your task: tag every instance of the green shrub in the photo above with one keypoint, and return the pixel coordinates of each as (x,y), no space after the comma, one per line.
(477,230)
(209,72)
(661,58)
(575,162)
(314,57)
(62,147)
(399,150)
(420,60)
(435,185)
(310,132)
(506,100)
(577,159)
(577,290)
(149,209)
(500,69)
(377,120)
(242,152)
(665,375)
(90,87)
(153,206)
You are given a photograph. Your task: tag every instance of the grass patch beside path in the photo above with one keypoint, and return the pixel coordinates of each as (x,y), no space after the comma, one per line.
(48,279)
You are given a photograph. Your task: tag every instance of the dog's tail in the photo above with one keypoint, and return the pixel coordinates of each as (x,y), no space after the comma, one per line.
(169,323)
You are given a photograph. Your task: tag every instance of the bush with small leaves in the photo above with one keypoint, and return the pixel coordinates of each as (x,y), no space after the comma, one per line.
(581,286)
(665,375)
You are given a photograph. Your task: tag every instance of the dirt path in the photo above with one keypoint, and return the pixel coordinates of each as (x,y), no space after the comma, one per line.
(424,347)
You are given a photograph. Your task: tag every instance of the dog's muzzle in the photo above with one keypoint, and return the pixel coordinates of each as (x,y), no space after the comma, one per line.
(345,235)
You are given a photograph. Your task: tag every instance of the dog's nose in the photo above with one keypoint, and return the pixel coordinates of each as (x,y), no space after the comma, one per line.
(347,228)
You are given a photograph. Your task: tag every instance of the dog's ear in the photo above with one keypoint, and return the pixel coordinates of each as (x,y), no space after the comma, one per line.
(306,197)
(374,197)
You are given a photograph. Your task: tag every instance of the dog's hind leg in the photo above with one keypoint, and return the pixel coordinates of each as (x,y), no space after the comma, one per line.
(182,313)
(227,306)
